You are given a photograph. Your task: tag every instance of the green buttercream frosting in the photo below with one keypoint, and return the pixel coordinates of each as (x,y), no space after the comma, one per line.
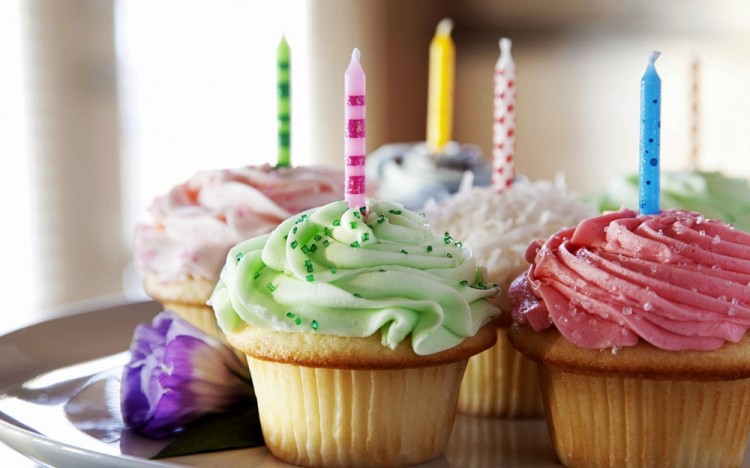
(709,193)
(332,270)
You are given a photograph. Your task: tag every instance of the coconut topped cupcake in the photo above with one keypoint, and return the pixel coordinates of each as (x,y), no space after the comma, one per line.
(197,222)
(334,271)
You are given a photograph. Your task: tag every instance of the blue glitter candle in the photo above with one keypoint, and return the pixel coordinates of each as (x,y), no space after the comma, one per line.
(650,132)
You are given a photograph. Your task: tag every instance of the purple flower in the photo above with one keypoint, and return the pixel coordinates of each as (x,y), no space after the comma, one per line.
(176,374)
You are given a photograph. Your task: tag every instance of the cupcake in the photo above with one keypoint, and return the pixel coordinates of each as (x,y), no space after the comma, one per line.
(411,174)
(710,193)
(357,329)
(638,324)
(196,223)
(499,227)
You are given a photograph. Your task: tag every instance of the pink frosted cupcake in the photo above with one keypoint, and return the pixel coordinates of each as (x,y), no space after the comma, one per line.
(196,223)
(639,326)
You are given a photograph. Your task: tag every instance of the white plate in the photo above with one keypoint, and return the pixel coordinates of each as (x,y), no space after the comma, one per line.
(59,404)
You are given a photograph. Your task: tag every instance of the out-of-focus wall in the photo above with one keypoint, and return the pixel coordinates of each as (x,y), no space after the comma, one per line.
(75,149)
(579,69)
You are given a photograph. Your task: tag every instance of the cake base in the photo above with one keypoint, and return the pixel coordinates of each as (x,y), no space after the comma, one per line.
(501,382)
(328,400)
(341,417)
(642,406)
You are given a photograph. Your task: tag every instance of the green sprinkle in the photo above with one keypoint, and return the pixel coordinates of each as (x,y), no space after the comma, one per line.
(458,244)
(396,212)
(317,237)
(365,237)
(449,255)
(310,278)
(286,237)
(298,320)
(382,270)
(353,224)
(239,256)
(354,244)
(326,243)
(308,266)
(448,240)
(271,287)
(429,248)
(404,251)
(464,283)
(326,231)
(294,244)
(356,214)
(333,270)
(481,286)
(447,234)
(305,249)
(256,275)
(357,295)
(314,324)
(294,230)
(290,315)
(313,248)
(380,220)
(337,222)
(301,219)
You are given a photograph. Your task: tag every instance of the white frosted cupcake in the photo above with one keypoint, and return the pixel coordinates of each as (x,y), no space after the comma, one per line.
(196,223)
(499,227)
(357,330)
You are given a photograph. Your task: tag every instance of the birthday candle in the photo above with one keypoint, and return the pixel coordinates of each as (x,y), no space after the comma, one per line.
(354,129)
(695,69)
(283,61)
(504,126)
(650,133)
(440,87)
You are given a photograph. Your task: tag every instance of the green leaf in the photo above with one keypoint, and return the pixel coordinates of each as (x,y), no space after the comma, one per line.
(225,431)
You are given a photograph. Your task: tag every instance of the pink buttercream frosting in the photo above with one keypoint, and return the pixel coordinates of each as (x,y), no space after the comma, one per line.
(675,279)
(197,222)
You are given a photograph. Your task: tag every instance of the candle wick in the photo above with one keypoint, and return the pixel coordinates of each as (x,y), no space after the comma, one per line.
(445,26)
(654,55)
(356,54)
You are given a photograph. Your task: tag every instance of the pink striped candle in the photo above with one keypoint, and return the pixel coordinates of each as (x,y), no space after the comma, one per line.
(504,126)
(354,133)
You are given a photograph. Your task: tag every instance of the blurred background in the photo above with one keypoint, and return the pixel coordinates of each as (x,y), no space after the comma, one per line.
(108,103)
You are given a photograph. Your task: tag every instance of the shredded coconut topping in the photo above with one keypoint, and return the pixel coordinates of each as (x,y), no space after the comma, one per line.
(499,227)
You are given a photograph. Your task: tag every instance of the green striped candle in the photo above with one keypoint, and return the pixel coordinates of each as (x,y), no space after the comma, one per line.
(283,59)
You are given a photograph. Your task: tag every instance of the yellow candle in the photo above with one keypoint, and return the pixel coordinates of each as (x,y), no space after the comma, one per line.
(440,93)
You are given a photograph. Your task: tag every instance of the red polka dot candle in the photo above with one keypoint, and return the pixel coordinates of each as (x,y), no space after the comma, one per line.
(354,133)
(504,125)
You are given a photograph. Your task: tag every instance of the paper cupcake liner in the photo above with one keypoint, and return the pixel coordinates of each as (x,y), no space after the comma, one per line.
(501,382)
(614,421)
(339,417)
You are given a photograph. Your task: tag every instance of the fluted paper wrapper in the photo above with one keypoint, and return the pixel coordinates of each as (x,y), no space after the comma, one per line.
(627,422)
(501,382)
(340,417)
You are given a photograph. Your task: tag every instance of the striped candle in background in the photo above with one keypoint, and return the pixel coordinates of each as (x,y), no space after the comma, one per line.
(283,62)
(354,131)
(504,125)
